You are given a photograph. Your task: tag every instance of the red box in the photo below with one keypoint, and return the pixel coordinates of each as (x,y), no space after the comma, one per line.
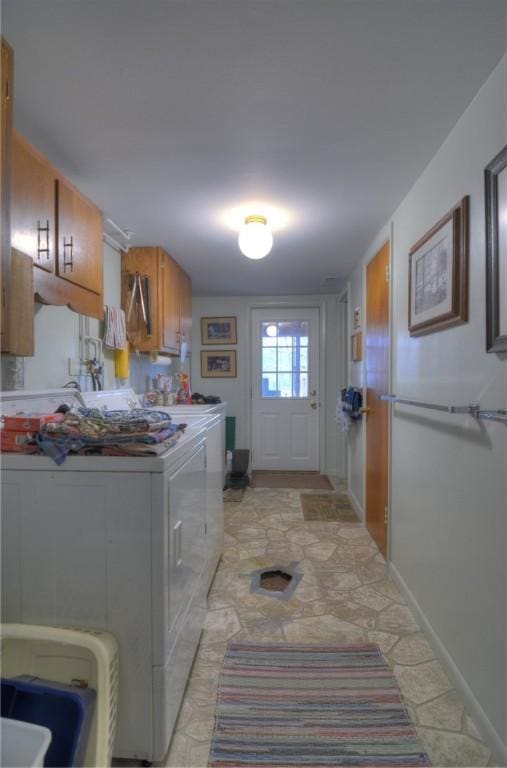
(30,422)
(15,441)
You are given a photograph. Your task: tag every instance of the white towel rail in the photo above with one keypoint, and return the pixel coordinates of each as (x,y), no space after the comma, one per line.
(473,409)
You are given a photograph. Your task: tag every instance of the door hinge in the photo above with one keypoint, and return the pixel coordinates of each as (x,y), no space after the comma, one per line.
(386,516)
(388,273)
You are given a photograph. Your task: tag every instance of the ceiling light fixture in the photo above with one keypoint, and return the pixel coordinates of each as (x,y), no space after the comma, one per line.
(255,237)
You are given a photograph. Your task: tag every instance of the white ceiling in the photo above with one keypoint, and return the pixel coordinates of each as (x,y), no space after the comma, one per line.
(169,113)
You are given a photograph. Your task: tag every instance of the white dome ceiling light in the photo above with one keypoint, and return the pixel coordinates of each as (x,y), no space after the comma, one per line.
(255,237)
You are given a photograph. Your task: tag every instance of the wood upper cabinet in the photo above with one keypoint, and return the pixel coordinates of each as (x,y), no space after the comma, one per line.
(33,219)
(79,225)
(60,229)
(165,304)
(170,304)
(186,308)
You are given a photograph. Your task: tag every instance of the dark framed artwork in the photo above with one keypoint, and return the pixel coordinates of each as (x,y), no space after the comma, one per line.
(438,274)
(495,177)
(218,330)
(218,364)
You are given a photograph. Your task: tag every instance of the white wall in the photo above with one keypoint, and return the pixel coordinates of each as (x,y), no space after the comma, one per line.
(448,512)
(57,335)
(237,391)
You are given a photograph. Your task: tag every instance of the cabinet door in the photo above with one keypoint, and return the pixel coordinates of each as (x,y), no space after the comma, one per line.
(33,205)
(169,303)
(79,238)
(144,261)
(185,308)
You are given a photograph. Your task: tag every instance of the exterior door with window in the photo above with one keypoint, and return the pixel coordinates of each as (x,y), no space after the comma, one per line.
(285,389)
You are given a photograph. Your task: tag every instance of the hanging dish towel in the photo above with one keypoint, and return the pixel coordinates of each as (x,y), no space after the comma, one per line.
(115,336)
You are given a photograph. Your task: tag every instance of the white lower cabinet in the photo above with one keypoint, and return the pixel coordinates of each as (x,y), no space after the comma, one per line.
(122,550)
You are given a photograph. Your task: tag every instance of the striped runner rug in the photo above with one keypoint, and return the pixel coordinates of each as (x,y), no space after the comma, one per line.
(313,706)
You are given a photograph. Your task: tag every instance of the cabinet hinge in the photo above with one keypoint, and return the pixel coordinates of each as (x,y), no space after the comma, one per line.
(388,273)
(385,516)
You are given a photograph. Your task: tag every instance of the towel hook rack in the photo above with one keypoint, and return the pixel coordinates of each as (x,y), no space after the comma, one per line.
(472,409)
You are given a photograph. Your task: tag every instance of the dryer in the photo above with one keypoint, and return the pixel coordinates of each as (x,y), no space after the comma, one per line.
(116,544)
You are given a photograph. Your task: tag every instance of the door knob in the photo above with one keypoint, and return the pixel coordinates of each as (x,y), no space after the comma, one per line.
(314,406)
(365,410)
(313,393)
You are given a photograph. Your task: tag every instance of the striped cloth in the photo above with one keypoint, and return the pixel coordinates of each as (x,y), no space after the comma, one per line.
(313,706)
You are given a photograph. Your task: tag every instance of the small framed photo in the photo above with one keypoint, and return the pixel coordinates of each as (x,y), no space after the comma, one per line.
(218,330)
(438,274)
(495,176)
(356,352)
(218,364)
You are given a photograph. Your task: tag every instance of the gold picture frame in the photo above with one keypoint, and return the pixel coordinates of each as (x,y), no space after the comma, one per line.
(438,274)
(218,364)
(218,330)
(356,351)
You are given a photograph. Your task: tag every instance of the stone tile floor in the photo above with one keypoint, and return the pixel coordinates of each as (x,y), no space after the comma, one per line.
(345,595)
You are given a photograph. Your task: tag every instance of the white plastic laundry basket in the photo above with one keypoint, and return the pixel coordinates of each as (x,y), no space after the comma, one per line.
(23,745)
(65,654)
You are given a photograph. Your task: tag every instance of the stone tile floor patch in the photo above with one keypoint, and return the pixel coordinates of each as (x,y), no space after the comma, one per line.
(277,581)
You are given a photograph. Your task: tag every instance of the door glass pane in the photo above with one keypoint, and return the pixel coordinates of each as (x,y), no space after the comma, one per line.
(269,385)
(285,358)
(300,385)
(284,340)
(285,385)
(269,359)
(269,334)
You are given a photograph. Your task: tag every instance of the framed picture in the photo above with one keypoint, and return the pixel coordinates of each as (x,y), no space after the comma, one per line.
(495,176)
(356,353)
(438,274)
(218,330)
(218,364)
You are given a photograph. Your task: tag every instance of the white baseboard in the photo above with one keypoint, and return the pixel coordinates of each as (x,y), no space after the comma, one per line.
(358,508)
(481,720)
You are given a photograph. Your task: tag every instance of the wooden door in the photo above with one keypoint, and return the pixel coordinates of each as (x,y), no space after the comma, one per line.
(6,99)
(377,384)
(185,308)
(79,238)
(33,204)
(169,303)
(285,389)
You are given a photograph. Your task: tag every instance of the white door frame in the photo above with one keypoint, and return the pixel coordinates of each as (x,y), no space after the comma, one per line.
(293,303)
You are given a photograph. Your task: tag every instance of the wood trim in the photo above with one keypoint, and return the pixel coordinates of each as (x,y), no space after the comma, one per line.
(50,289)
(458,313)
(7,99)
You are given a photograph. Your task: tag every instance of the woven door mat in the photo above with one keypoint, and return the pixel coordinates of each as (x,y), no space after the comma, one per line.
(299,480)
(328,506)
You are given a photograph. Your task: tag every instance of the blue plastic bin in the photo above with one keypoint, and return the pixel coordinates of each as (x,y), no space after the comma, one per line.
(65,709)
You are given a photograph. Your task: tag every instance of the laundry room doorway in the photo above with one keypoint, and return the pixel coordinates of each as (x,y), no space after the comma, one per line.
(285,389)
